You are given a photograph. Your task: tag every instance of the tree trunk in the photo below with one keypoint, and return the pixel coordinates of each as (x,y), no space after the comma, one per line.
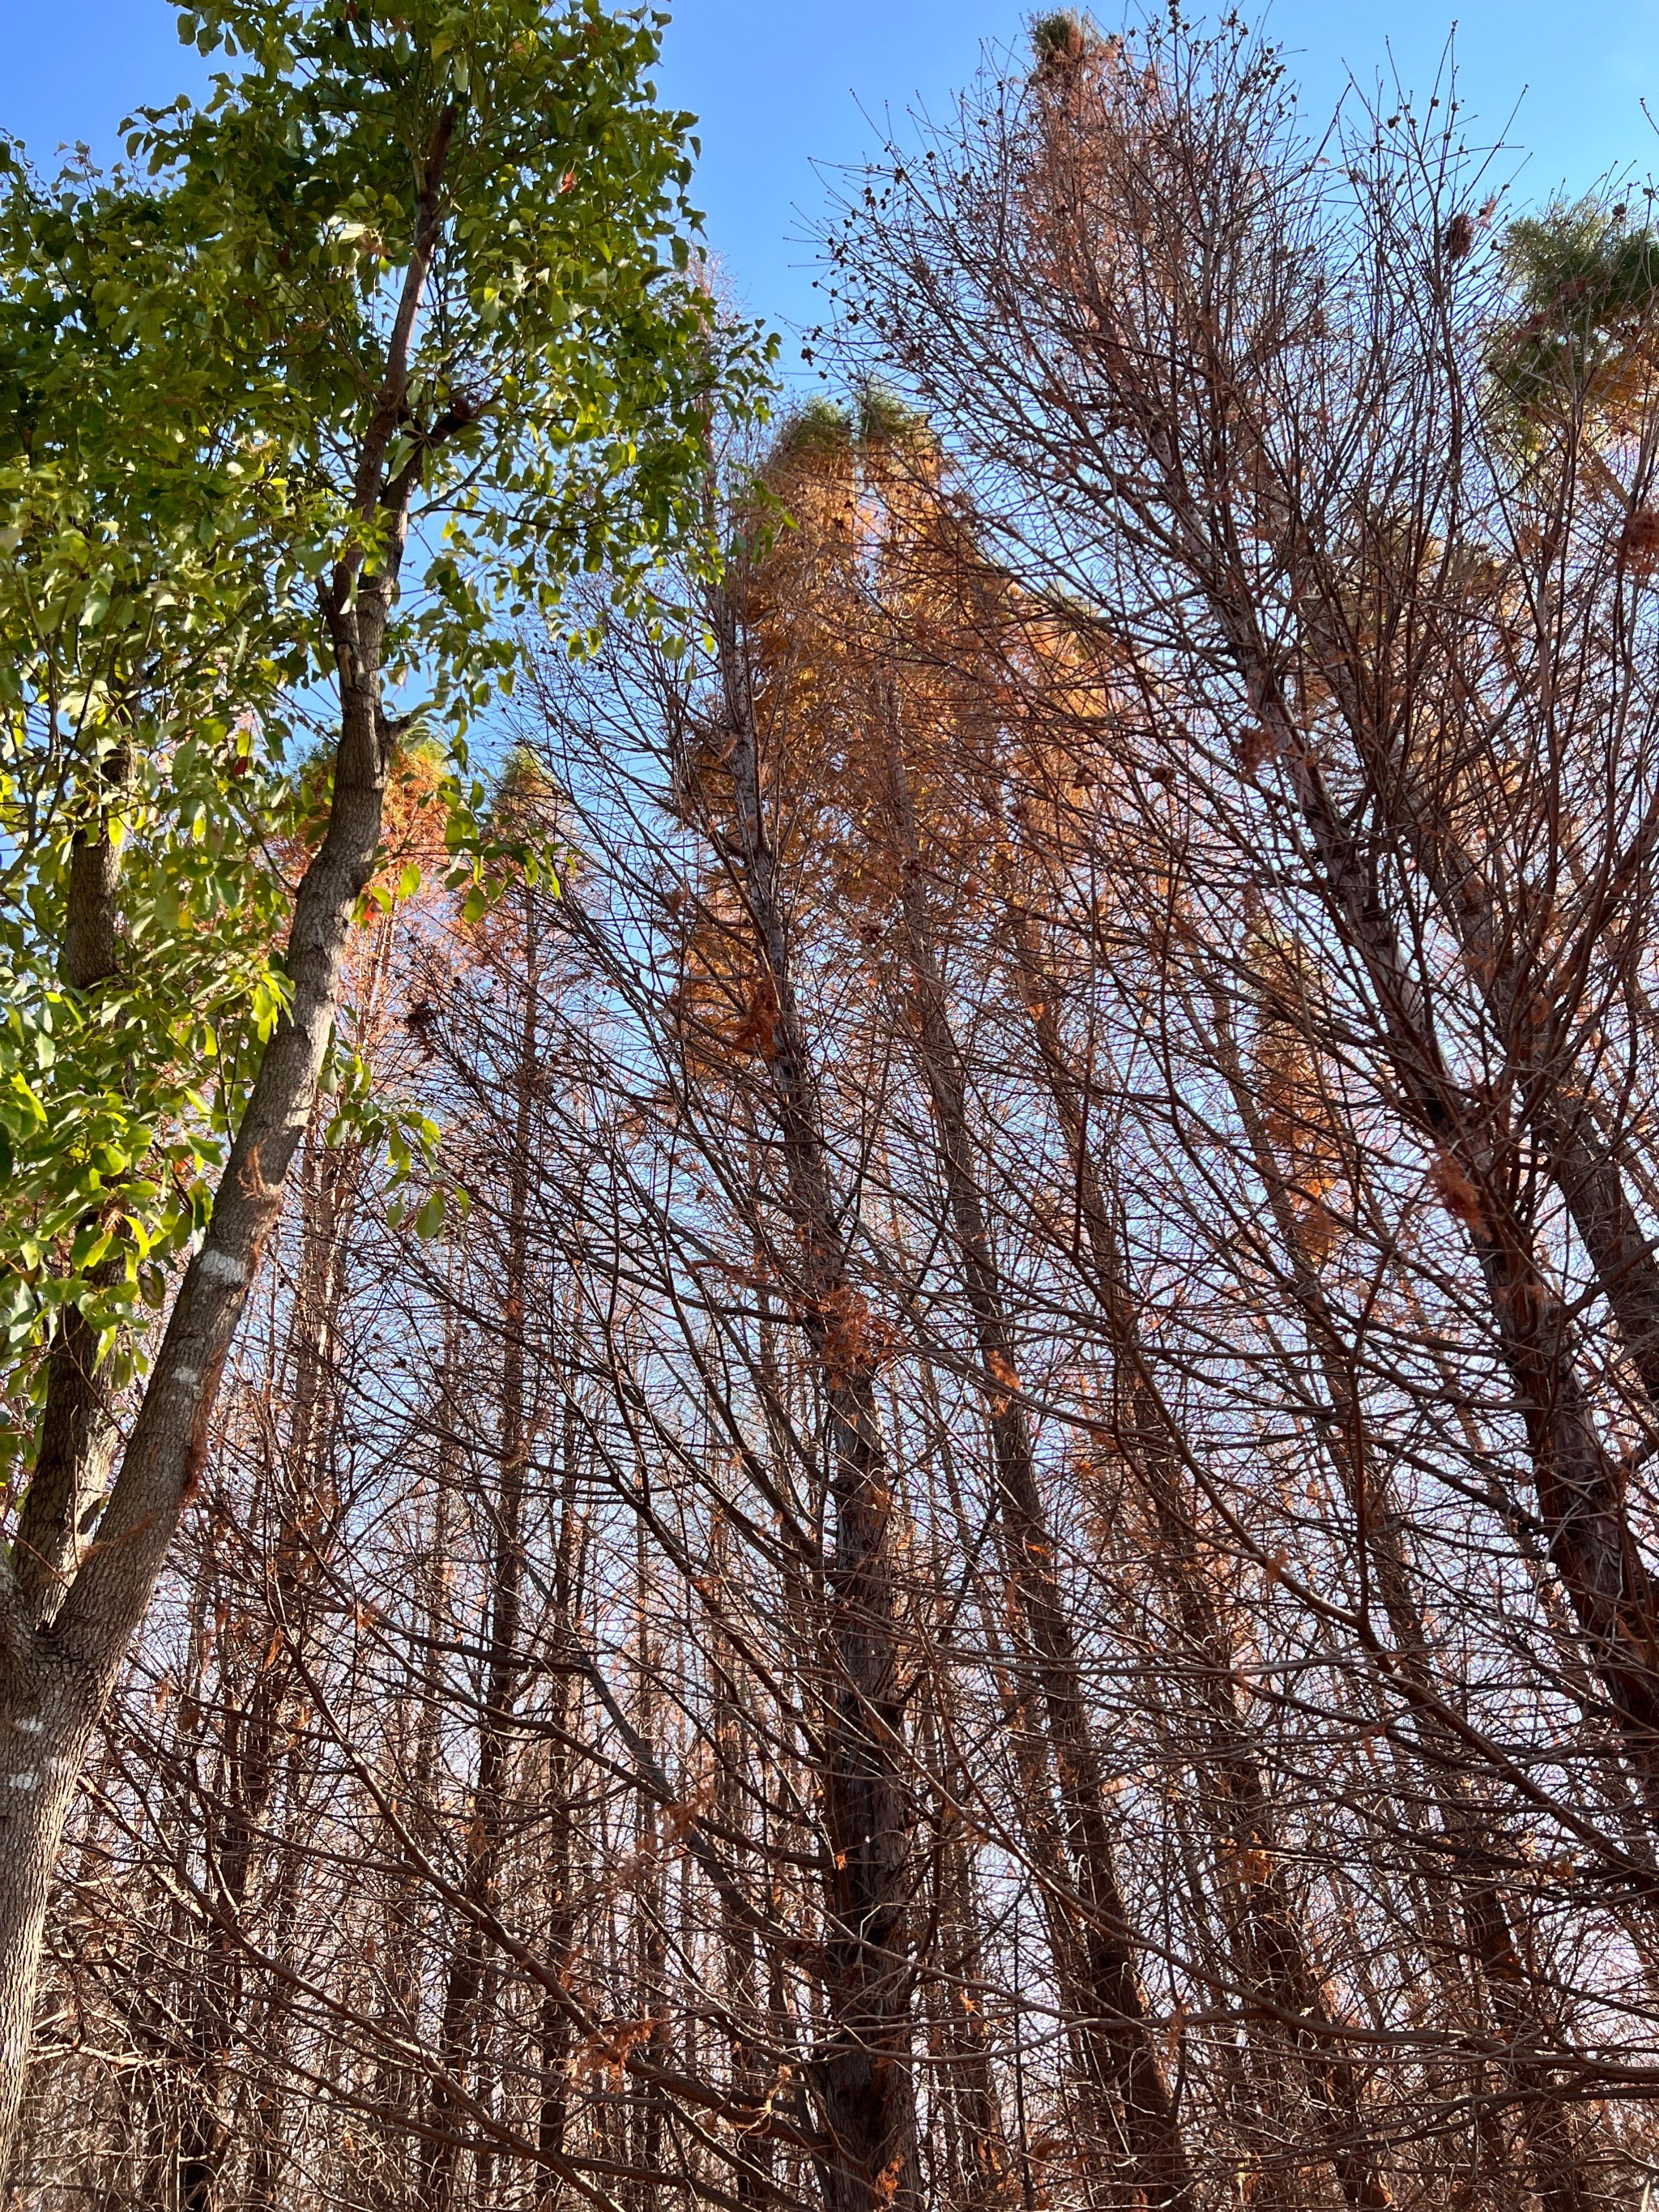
(462,2028)
(254,1748)
(1180,463)
(56,1675)
(1554,2152)
(734,1747)
(559,1866)
(1579,1487)
(977,2157)
(1124,2063)
(864,2069)
(77,1435)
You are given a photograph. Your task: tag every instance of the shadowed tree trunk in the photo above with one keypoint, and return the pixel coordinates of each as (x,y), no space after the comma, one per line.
(864,2068)
(1126,2072)
(463,2029)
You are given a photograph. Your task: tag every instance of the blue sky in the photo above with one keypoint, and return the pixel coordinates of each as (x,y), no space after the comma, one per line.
(779,83)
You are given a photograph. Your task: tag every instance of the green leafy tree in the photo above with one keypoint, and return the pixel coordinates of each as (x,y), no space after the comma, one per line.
(1575,355)
(299,416)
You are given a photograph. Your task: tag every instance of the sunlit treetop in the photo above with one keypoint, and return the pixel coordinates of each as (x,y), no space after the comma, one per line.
(1583,338)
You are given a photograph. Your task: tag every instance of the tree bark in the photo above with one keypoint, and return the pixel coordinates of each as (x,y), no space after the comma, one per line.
(864,2069)
(78,1434)
(1123,2060)
(462,2028)
(55,1678)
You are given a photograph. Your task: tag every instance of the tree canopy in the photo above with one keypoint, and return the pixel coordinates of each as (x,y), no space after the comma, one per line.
(192,355)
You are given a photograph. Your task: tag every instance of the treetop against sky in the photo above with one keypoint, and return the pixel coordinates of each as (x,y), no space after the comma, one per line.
(778,88)
(873,1423)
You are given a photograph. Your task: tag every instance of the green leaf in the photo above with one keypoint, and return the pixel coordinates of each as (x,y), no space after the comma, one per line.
(159,562)
(91,1247)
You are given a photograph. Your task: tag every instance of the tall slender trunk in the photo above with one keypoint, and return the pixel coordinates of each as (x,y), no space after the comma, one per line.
(267,2148)
(1123,2058)
(398,2085)
(256,1726)
(1283,1989)
(864,2069)
(740,1993)
(462,2027)
(1504,960)
(977,2157)
(569,1582)
(1580,1486)
(58,1665)
(1189,483)
(1554,2152)
(649,1965)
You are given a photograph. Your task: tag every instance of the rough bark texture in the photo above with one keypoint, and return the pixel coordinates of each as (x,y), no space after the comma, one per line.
(56,1677)
(864,2070)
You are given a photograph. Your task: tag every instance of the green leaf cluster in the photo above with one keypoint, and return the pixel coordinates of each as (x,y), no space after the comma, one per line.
(1578,343)
(193,363)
